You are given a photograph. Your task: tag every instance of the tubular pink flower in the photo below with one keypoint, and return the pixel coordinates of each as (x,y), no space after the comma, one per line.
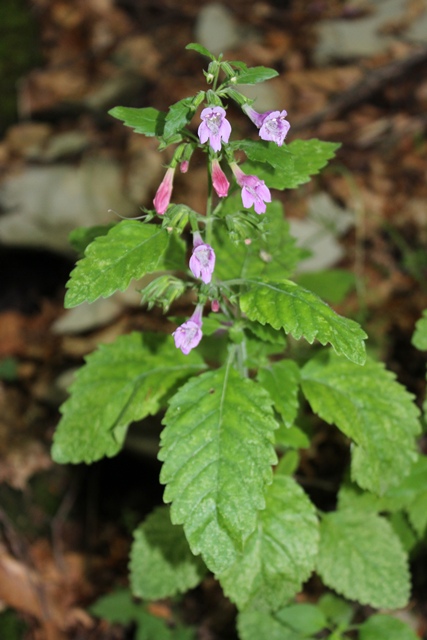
(202,261)
(189,334)
(219,179)
(164,192)
(272,125)
(254,191)
(214,127)
(215,306)
(184,166)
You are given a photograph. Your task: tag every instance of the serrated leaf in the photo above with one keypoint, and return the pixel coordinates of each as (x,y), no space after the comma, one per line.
(161,563)
(419,339)
(129,250)
(332,285)
(148,121)
(369,406)
(361,558)
(81,237)
(309,157)
(253,75)
(194,46)
(119,383)
(178,116)
(280,555)
(383,627)
(217,449)
(301,313)
(281,380)
(257,625)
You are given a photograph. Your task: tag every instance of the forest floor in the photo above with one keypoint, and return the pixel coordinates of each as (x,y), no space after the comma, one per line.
(65,532)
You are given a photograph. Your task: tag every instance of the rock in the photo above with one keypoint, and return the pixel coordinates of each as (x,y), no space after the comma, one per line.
(46,203)
(326,221)
(347,39)
(216,29)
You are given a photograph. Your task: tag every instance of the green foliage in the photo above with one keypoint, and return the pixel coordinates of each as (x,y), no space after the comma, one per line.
(253,75)
(148,121)
(161,563)
(178,116)
(118,607)
(419,339)
(299,312)
(281,552)
(281,380)
(332,285)
(120,383)
(129,250)
(82,237)
(217,450)
(370,407)
(296,622)
(361,557)
(383,627)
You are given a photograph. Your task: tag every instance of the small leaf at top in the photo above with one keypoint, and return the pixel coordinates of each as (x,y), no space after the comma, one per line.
(178,116)
(217,449)
(302,314)
(120,383)
(361,558)
(370,407)
(194,46)
(253,75)
(280,555)
(161,563)
(129,250)
(148,121)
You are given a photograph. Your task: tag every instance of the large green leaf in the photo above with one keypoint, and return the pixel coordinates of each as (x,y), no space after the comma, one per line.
(148,121)
(119,383)
(129,250)
(302,314)
(161,563)
(361,557)
(305,159)
(280,555)
(370,407)
(217,450)
(383,627)
(281,380)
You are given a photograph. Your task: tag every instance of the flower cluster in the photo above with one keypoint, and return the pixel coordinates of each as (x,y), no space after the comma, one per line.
(216,130)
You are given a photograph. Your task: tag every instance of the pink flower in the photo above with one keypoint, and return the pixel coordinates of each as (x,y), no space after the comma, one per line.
(202,261)
(215,127)
(219,179)
(189,334)
(215,306)
(164,192)
(184,166)
(272,125)
(254,191)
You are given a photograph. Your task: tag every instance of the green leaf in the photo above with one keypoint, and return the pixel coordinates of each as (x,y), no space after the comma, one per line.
(217,450)
(148,121)
(336,610)
(281,380)
(194,46)
(383,627)
(275,254)
(129,250)
(419,339)
(280,555)
(151,627)
(306,619)
(403,530)
(307,158)
(291,437)
(117,606)
(260,625)
(178,116)
(302,314)
(262,151)
(161,563)
(332,285)
(417,513)
(253,75)
(81,237)
(369,406)
(119,383)
(361,557)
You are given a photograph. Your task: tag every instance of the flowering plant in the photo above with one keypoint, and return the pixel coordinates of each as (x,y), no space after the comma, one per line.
(229,390)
